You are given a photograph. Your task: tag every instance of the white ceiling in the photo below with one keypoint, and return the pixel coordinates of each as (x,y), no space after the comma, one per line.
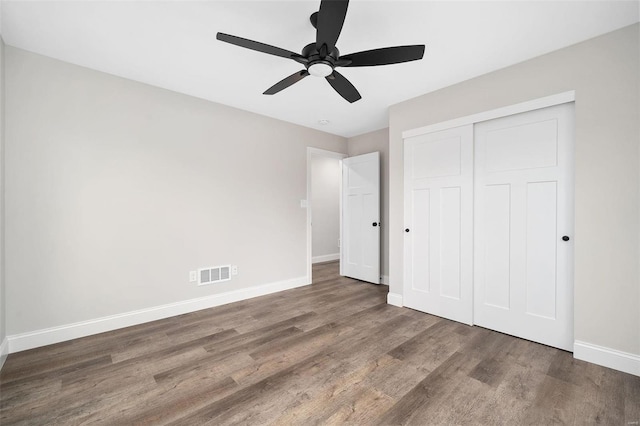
(173,45)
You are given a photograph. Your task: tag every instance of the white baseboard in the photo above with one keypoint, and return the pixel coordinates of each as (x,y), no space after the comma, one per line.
(607,357)
(34,339)
(384,280)
(394,299)
(325,258)
(4,351)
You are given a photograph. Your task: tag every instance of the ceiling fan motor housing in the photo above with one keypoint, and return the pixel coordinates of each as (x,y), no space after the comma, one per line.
(318,64)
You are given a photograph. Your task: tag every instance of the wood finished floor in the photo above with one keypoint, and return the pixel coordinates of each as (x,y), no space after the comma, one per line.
(330,353)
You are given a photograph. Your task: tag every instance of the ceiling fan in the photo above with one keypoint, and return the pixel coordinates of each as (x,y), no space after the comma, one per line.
(322,57)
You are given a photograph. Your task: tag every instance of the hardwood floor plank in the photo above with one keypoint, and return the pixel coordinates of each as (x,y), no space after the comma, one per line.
(563,367)
(513,396)
(492,369)
(417,343)
(343,309)
(166,404)
(415,366)
(426,393)
(31,360)
(555,402)
(458,403)
(28,393)
(74,410)
(318,402)
(149,363)
(330,353)
(245,400)
(631,400)
(30,388)
(222,352)
(260,334)
(600,401)
(351,301)
(361,408)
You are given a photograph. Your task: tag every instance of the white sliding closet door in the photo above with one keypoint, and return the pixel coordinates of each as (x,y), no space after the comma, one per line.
(523,225)
(438,185)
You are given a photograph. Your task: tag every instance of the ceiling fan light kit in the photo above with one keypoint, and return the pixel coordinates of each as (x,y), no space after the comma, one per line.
(322,57)
(320,69)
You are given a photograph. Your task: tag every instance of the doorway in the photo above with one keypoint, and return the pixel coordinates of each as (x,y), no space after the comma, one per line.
(324,177)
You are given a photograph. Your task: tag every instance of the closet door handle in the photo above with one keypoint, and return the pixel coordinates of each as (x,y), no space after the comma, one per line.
(375,223)
(565,238)
(406,230)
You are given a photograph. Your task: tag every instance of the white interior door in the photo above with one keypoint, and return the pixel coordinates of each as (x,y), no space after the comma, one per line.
(438,250)
(360,248)
(523,210)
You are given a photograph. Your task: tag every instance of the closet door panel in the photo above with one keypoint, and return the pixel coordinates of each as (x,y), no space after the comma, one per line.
(438,248)
(524,207)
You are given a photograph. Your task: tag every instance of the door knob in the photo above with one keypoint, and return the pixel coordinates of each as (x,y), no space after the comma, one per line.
(565,238)
(406,230)
(375,223)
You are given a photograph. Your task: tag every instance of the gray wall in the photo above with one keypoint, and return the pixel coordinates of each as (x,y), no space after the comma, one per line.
(604,73)
(371,142)
(326,178)
(115,190)
(3,304)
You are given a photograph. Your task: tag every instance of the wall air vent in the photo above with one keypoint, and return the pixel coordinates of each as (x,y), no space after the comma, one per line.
(214,274)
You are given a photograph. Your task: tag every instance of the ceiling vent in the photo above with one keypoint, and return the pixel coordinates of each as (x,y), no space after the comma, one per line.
(214,274)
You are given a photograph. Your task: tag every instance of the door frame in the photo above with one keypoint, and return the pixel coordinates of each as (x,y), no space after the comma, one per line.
(548,101)
(329,154)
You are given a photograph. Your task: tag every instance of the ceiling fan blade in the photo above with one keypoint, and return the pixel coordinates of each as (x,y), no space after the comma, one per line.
(384,56)
(286,82)
(330,20)
(260,47)
(343,87)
